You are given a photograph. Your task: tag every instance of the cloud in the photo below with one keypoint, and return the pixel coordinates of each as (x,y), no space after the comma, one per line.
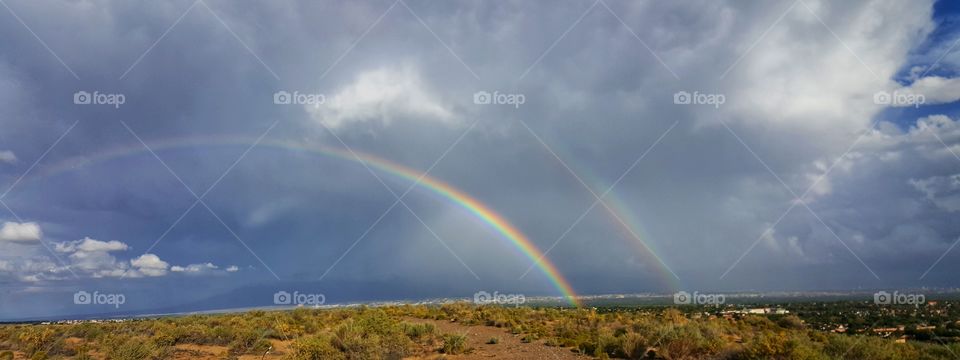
(194,268)
(385,95)
(150,265)
(8,156)
(944,191)
(91,258)
(798,93)
(20,232)
(204,269)
(933,89)
(800,76)
(892,197)
(90,245)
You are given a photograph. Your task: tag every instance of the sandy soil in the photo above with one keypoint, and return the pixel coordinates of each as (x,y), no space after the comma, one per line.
(509,346)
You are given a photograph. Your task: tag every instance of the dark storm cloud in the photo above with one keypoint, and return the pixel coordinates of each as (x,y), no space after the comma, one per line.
(399,78)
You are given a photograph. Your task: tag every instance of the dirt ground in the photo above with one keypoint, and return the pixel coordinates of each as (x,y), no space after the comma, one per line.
(508,347)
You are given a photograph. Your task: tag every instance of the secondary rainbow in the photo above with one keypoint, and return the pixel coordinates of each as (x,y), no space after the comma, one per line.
(620,214)
(454,195)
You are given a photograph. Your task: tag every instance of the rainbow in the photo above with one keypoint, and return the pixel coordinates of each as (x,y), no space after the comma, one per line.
(623,218)
(622,215)
(483,212)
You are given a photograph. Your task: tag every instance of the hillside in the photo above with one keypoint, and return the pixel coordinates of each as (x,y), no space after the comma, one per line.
(456,331)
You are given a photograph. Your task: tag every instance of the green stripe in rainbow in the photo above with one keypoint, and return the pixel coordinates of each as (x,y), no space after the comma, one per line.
(456,196)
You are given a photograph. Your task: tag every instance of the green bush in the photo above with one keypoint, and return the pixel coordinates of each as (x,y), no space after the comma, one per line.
(418,331)
(791,322)
(131,349)
(379,333)
(314,348)
(248,341)
(351,339)
(454,344)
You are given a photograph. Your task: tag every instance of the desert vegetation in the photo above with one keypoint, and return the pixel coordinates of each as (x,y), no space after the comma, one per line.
(407,331)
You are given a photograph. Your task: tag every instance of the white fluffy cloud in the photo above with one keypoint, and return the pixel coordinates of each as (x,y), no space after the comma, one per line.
(194,268)
(150,265)
(86,257)
(8,156)
(90,245)
(800,76)
(20,232)
(93,257)
(933,89)
(916,174)
(383,94)
(203,269)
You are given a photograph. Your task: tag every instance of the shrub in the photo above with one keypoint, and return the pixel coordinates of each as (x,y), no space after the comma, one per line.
(33,339)
(131,349)
(246,341)
(314,348)
(351,339)
(790,322)
(454,344)
(418,331)
(634,346)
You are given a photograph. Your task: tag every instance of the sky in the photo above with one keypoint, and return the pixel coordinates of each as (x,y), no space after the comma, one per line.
(206,154)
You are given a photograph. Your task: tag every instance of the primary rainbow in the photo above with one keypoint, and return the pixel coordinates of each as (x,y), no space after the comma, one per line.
(454,195)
